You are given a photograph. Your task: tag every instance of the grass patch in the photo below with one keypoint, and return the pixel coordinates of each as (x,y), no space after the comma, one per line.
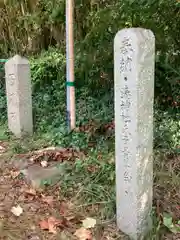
(91,185)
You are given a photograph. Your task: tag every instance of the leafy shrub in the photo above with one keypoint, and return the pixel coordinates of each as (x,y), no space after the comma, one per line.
(41,24)
(49,104)
(48,84)
(166,130)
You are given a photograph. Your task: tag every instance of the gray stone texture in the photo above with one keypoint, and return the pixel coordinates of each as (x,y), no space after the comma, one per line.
(38,176)
(19,99)
(134,60)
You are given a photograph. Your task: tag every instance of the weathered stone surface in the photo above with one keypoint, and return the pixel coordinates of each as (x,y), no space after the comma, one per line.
(19,99)
(38,176)
(134,59)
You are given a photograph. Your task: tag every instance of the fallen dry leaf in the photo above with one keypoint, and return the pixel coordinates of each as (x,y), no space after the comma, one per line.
(34,238)
(15,174)
(83,234)
(50,224)
(44,225)
(44,163)
(111,160)
(64,208)
(17,211)
(89,223)
(70,217)
(2,149)
(30,191)
(92,168)
(48,199)
(54,154)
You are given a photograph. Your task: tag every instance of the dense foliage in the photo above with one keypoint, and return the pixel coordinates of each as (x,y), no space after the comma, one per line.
(41,24)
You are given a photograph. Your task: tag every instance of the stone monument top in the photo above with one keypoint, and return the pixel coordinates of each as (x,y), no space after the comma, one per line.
(17,59)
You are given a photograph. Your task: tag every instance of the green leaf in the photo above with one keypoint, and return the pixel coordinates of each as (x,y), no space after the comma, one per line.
(167,220)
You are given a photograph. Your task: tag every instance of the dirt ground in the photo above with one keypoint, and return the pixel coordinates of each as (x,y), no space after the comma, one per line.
(40,214)
(26,213)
